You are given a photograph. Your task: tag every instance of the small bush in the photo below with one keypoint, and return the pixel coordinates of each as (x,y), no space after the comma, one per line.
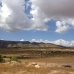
(1,59)
(14,58)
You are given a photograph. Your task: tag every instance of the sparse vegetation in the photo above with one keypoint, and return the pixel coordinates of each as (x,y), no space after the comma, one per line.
(11,68)
(14,58)
(27,52)
(26,63)
(1,59)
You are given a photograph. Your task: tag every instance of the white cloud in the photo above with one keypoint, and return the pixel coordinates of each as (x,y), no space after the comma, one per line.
(13,17)
(62,10)
(73,23)
(38,18)
(58,42)
(22,40)
(61,27)
(64,43)
(2,39)
(34,40)
(58,9)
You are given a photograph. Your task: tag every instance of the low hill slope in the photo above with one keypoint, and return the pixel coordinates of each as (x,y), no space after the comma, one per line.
(27,44)
(33,49)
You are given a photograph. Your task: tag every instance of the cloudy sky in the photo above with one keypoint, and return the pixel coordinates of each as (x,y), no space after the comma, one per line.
(38,20)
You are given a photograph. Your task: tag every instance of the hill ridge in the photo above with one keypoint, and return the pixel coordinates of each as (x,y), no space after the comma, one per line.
(5,44)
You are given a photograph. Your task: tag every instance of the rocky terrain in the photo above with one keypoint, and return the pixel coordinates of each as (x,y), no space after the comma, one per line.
(33,49)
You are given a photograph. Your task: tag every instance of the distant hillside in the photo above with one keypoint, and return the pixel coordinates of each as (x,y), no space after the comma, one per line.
(27,44)
(33,49)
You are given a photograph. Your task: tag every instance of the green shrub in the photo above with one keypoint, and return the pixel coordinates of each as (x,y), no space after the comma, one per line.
(14,58)
(1,59)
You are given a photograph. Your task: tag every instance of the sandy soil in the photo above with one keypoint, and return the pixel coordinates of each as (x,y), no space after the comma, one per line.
(54,65)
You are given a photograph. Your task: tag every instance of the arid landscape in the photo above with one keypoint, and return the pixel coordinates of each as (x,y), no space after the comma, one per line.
(36,36)
(36,58)
(39,66)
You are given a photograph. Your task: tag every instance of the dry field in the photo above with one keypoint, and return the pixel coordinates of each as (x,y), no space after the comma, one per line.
(51,60)
(54,65)
(59,59)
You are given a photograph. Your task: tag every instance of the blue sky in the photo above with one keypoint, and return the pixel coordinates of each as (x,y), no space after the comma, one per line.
(31,20)
(34,34)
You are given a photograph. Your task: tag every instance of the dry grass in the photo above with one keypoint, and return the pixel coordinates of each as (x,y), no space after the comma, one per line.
(23,69)
(51,60)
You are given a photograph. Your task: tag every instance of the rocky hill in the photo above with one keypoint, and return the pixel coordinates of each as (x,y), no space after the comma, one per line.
(33,49)
(27,45)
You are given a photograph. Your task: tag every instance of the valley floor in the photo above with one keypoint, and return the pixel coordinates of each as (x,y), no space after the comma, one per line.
(51,65)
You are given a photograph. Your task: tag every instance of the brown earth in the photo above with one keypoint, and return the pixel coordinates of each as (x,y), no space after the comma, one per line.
(55,65)
(49,58)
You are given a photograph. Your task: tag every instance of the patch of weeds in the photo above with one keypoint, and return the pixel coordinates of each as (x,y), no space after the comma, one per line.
(1,59)
(14,58)
(26,63)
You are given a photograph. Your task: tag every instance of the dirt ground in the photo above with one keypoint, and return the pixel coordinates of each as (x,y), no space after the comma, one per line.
(52,65)
(51,60)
